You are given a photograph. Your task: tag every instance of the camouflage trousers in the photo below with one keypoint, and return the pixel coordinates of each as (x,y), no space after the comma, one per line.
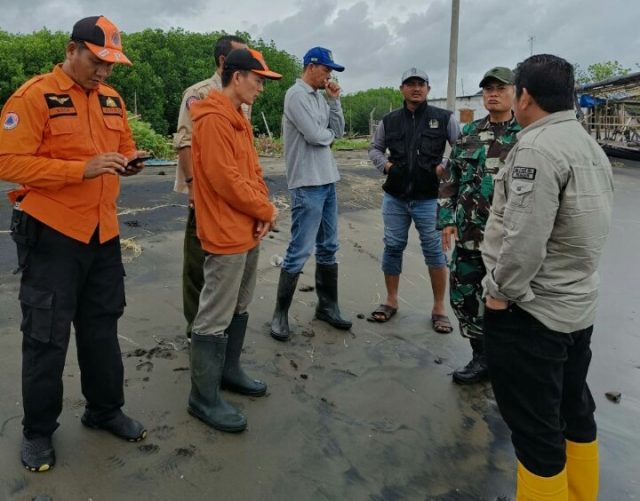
(465,289)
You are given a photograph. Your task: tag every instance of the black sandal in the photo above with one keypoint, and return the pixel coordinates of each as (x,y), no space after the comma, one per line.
(382,313)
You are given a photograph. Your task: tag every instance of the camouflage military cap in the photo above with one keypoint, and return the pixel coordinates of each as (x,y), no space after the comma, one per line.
(500,73)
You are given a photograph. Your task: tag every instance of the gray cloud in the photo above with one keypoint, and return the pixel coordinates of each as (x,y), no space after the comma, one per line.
(492,32)
(378,40)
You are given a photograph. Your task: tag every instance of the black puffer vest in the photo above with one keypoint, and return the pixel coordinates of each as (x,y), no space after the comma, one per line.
(416,143)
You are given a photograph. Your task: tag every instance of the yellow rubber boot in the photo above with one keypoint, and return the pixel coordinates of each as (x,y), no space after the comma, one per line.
(583,471)
(534,488)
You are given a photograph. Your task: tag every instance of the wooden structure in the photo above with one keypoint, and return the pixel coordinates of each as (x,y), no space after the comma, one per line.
(613,114)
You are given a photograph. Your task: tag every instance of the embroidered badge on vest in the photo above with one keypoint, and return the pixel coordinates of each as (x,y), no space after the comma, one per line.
(191,100)
(60,105)
(528,173)
(111,105)
(11,121)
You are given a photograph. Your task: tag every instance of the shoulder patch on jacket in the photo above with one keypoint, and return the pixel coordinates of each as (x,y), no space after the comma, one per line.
(191,100)
(11,121)
(524,173)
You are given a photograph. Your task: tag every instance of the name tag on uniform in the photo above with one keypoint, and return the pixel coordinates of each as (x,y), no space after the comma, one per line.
(528,173)
(434,124)
(487,135)
(492,165)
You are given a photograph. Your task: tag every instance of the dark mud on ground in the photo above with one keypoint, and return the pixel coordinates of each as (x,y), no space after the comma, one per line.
(369,414)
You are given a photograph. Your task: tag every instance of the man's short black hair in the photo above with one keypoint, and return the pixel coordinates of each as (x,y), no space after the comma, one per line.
(227,75)
(223,46)
(549,80)
(79,44)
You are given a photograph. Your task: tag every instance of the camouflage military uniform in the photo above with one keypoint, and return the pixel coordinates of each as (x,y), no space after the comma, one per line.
(465,200)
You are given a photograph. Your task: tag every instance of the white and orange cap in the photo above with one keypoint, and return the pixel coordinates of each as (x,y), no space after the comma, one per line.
(101,37)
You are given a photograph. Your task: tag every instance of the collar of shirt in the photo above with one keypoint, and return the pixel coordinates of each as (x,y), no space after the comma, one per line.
(306,86)
(64,80)
(558,116)
(217,81)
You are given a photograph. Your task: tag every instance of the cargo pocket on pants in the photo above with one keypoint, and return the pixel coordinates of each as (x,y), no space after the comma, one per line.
(37,313)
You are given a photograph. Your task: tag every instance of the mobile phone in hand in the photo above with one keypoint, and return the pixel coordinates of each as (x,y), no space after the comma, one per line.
(135,161)
(132,165)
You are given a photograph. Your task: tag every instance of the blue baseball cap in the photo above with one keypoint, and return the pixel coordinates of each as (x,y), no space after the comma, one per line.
(320,55)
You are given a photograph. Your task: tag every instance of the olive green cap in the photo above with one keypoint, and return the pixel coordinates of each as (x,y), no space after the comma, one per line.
(500,73)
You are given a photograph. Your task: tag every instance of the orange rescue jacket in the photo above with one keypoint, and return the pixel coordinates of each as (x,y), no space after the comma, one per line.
(229,193)
(51,127)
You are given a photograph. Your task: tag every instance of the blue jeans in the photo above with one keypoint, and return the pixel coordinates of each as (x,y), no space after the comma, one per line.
(397,215)
(314,221)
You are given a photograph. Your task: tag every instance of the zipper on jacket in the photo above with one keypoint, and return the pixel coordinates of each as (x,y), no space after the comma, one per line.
(412,156)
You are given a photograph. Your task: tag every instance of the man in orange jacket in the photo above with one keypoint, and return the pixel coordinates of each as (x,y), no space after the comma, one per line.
(234,213)
(65,139)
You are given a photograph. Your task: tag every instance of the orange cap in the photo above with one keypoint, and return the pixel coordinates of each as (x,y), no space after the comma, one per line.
(252,60)
(101,37)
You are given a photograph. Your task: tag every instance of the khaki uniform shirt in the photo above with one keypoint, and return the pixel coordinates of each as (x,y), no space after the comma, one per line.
(182,137)
(549,221)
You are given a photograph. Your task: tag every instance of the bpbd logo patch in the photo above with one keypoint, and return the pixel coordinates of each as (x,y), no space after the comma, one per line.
(11,121)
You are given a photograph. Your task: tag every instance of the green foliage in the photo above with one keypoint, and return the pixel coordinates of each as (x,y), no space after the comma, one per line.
(600,71)
(267,147)
(271,101)
(24,56)
(351,144)
(149,140)
(358,107)
(165,64)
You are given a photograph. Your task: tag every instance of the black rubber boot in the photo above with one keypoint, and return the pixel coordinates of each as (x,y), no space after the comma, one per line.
(205,400)
(120,425)
(37,454)
(286,289)
(233,377)
(327,289)
(476,370)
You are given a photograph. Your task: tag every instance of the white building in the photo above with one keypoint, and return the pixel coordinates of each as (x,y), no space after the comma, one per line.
(468,108)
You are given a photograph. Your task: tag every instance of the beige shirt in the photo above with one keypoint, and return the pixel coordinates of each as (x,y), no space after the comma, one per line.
(182,137)
(549,221)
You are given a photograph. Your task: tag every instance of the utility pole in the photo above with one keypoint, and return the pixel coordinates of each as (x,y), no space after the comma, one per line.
(453,55)
(531,39)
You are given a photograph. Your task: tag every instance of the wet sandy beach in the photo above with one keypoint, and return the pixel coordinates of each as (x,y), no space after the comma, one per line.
(370,414)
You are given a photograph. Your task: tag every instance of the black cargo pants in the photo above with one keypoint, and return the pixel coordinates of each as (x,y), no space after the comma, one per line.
(539,378)
(65,281)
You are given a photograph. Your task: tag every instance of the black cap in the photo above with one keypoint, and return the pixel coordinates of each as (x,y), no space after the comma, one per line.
(249,59)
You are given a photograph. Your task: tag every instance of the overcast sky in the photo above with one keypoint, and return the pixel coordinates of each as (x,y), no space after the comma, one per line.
(377,40)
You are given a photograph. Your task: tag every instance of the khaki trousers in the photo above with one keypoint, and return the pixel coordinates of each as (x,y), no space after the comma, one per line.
(229,282)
